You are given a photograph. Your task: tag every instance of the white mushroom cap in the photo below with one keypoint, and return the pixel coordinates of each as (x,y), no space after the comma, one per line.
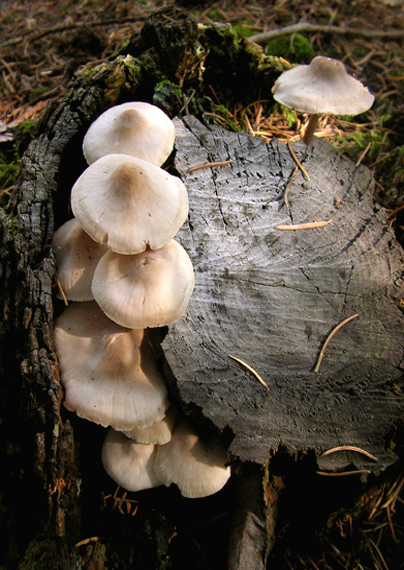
(77,256)
(109,373)
(197,468)
(158,433)
(137,128)
(324,86)
(150,289)
(129,204)
(129,464)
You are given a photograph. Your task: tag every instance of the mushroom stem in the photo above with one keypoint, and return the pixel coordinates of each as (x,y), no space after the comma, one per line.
(311,127)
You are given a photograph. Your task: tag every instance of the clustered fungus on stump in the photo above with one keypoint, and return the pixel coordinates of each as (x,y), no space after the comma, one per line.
(120,266)
(323,87)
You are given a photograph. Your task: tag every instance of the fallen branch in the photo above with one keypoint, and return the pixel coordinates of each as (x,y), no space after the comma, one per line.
(305,27)
(67,27)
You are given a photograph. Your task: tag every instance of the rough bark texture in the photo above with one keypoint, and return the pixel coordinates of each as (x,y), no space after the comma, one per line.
(271,298)
(263,296)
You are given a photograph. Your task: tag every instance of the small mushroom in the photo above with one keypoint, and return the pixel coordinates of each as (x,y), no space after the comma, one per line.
(323,87)
(129,464)
(129,204)
(150,289)
(109,372)
(196,467)
(136,128)
(158,433)
(77,256)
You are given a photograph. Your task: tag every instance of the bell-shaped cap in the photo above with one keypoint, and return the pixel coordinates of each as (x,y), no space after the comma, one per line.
(109,372)
(77,256)
(150,289)
(136,128)
(129,204)
(129,464)
(323,87)
(159,433)
(196,467)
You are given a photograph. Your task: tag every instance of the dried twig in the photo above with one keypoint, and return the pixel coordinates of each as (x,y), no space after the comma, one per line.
(336,329)
(305,27)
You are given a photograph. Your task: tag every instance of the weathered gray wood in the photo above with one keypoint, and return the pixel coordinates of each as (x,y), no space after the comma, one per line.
(271,298)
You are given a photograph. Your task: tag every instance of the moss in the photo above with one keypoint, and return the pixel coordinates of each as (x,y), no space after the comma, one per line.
(159,531)
(222,111)
(12,223)
(391,176)
(40,555)
(215,15)
(169,97)
(289,114)
(8,172)
(295,48)
(36,93)
(235,68)
(355,143)
(244,28)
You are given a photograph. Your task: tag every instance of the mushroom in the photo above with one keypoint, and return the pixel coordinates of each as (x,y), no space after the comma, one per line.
(324,86)
(196,467)
(150,289)
(158,433)
(129,464)
(77,256)
(109,373)
(129,204)
(136,128)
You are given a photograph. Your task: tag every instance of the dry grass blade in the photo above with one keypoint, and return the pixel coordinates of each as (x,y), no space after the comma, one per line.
(299,164)
(349,448)
(342,473)
(306,226)
(208,165)
(394,492)
(288,185)
(258,377)
(88,540)
(330,336)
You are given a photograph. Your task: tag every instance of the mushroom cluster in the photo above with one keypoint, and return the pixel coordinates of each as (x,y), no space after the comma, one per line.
(124,273)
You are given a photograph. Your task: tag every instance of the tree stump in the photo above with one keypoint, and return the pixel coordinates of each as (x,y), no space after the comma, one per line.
(271,297)
(262,295)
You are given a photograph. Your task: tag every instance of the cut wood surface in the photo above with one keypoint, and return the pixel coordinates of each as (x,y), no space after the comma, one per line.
(271,298)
